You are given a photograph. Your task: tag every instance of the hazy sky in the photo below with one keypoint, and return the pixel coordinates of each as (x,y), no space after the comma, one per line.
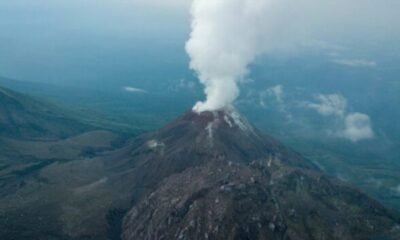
(77,41)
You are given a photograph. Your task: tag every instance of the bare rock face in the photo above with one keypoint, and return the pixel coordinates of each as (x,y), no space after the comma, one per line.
(213,176)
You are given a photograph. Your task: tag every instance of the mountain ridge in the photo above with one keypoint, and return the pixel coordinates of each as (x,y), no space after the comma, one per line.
(214,176)
(198,173)
(25,117)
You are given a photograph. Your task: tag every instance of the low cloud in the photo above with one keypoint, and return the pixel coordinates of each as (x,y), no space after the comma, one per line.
(186,84)
(357,127)
(134,90)
(396,191)
(276,92)
(377,183)
(356,63)
(182,85)
(328,105)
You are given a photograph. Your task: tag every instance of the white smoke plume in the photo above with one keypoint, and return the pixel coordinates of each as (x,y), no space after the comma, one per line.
(228,35)
(225,39)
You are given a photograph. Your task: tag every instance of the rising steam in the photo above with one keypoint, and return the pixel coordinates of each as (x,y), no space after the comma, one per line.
(227,35)
(225,39)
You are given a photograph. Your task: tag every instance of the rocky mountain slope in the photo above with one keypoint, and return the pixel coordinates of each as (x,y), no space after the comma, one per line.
(213,176)
(203,176)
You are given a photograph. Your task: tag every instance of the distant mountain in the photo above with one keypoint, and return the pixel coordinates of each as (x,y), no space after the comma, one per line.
(24,117)
(109,107)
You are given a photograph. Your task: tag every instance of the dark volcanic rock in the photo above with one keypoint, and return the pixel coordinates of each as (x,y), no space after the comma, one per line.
(194,140)
(213,176)
(207,176)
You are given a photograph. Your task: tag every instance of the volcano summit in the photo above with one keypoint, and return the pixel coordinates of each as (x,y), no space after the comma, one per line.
(208,175)
(211,175)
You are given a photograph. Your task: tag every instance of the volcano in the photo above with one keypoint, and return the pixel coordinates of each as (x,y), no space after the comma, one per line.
(203,176)
(212,175)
